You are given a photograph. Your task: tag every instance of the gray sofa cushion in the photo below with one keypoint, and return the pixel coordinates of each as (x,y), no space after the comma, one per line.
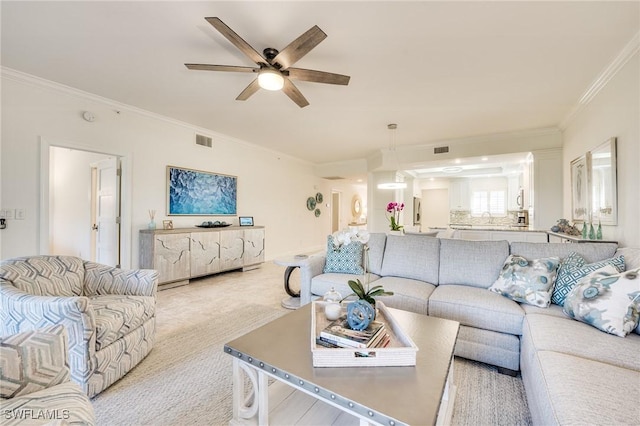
(592,252)
(476,307)
(490,347)
(472,263)
(408,294)
(552,333)
(412,256)
(376,245)
(567,390)
(552,310)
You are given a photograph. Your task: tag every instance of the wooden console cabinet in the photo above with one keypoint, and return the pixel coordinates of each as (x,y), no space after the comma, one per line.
(181,254)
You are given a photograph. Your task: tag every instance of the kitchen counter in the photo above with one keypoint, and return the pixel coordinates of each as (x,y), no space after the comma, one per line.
(500,232)
(496,228)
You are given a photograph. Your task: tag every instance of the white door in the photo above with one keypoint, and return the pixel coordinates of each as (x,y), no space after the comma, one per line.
(107,210)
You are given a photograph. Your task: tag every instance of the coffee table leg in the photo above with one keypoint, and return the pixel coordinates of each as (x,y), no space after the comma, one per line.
(257,401)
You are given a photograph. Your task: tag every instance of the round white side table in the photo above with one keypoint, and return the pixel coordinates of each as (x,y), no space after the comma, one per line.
(291,262)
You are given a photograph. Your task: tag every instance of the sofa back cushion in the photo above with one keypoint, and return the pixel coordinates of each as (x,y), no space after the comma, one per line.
(376,244)
(412,256)
(591,252)
(45,275)
(473,263)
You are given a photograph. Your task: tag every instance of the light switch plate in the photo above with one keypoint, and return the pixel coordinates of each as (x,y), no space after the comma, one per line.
(20,214)
(2,214)
(9,214)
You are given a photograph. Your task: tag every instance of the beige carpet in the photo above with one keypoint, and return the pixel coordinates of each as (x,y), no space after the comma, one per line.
(186,379)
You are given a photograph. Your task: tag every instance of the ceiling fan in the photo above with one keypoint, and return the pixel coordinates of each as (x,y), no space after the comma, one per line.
(275,69)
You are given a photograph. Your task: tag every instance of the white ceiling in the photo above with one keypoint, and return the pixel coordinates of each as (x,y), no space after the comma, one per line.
(441,70)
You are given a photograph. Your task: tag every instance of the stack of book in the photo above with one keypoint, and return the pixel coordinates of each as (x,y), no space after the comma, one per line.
(338,334)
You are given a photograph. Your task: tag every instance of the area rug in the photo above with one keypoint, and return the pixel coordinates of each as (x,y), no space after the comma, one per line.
(186,379)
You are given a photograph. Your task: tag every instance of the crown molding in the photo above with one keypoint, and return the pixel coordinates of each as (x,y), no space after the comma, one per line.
(41,83)
(629,50)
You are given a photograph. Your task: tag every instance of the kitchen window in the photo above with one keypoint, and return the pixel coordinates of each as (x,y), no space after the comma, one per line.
(492,202)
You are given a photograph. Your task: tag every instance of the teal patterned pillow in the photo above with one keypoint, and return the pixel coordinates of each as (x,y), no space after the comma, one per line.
(527,281)
(573,269)
(345,259)
(607,301)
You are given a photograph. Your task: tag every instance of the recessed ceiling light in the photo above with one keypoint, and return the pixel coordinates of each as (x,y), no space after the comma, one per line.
(485,158)
(458,161)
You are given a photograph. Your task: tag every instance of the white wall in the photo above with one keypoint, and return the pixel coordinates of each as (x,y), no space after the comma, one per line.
(613,112)
(271,187)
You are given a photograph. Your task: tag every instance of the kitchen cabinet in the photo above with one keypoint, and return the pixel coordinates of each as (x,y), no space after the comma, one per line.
(473,235)
(181,254)
(526,236)
(459,196)
(498,235)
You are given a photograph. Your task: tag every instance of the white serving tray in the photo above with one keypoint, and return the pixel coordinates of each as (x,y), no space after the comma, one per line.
(401,351)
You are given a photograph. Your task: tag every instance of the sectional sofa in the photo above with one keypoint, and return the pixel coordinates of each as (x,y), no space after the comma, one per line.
(573,373)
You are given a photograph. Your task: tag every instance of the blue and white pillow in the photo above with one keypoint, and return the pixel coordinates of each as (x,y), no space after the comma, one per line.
(345,259)
(527,281)
(573,269)
(609,302)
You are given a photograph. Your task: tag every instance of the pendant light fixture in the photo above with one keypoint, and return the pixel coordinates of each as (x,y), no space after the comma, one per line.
(393,183)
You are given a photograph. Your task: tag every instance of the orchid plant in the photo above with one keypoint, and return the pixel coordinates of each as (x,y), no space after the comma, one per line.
(362,291)
(394,209)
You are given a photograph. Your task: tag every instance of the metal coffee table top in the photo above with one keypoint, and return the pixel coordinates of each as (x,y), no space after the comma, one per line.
(389,395)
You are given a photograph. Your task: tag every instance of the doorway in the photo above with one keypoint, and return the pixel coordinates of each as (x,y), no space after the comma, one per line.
(335,211)
(80,213)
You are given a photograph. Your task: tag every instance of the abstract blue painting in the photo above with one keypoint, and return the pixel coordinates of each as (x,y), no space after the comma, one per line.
(193,192)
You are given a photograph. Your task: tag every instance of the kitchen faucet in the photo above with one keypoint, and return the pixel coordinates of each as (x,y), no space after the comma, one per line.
(490,217)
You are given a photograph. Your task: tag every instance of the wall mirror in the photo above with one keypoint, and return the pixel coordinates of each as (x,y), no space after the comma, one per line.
(356,207)
(603,183)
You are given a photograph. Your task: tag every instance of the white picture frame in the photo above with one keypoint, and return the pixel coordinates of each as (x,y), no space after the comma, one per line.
(580,189)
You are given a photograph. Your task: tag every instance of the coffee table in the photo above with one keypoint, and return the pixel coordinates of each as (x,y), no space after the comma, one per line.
(421,394)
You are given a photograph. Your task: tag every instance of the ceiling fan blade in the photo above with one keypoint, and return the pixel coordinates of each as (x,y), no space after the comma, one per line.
(232,68)
(252,88)
(236,40)
(292,92)
(299,47)
(318,76)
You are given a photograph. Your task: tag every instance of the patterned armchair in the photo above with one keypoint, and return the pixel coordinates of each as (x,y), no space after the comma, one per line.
(34,381)
(109,313)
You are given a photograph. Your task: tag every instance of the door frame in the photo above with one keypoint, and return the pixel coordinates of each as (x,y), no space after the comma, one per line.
(125,195)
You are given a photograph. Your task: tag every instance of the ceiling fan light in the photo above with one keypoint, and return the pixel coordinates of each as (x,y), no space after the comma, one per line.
(270,79)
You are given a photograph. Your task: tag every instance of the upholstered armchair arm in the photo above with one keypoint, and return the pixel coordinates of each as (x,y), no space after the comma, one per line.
(24,312)
(309,269)
(102,279)
(34,360)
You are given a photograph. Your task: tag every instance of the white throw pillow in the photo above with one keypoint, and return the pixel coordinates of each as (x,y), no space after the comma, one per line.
(527,281)
(607,301)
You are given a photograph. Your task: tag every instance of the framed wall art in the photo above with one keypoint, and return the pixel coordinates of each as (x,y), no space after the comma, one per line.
(579,189)
(245,220)
(603,180)
(200,193)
